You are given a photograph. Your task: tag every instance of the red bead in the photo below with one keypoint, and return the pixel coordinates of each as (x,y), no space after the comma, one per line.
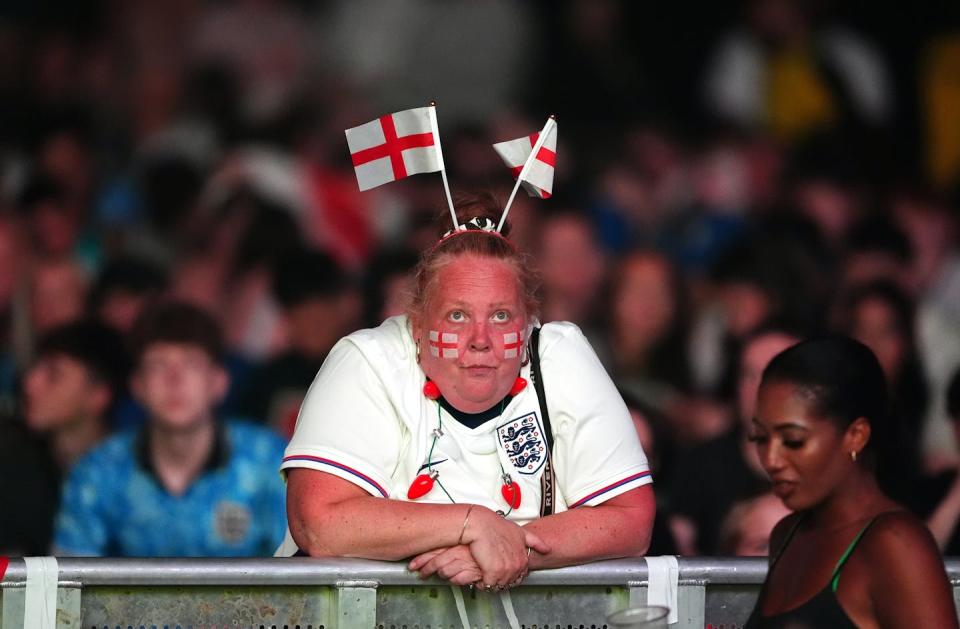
(431,390)
(518,385)
(421,486)
(511,493)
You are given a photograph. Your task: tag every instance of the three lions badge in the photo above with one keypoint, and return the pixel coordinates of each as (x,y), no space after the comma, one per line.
(522,441)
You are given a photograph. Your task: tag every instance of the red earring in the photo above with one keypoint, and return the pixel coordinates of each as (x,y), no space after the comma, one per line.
(431,390)
(518,385)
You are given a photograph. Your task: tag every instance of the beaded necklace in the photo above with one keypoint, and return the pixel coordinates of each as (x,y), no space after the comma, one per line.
(423,483)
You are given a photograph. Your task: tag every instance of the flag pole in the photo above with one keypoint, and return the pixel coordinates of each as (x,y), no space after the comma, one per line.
(443,169)
(551,121)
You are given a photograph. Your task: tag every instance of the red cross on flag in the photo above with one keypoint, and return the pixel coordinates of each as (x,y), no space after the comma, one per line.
(511,344)
(395,146)
(444,344)
(538,181)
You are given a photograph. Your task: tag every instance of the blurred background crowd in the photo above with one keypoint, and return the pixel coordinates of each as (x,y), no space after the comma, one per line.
(731,177)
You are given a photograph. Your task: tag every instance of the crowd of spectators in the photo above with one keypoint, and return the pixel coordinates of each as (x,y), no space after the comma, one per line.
(791,172)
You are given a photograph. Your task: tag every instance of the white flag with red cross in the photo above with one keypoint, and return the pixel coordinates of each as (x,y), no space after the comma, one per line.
(538,181)
(395,146)
(512,341)
(444,344)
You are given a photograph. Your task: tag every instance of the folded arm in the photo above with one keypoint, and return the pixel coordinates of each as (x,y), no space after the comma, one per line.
(331,517)
(619,527)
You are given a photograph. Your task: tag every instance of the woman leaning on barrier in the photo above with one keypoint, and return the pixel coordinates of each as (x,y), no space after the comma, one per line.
(849,556)
(422,438)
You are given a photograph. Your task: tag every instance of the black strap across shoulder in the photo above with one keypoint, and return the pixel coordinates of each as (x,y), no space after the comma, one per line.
(548,479)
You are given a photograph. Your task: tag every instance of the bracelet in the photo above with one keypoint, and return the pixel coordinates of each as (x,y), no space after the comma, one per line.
(463,529)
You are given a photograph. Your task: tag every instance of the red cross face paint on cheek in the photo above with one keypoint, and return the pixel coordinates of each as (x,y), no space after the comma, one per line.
(512,342)
(444,345)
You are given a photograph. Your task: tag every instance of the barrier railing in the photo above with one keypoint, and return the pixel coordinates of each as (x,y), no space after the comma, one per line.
(302,593)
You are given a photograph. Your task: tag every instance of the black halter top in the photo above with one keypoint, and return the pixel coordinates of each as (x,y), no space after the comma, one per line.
(822,610)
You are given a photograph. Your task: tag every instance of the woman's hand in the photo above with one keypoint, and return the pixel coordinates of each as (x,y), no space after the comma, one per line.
(500,548)
(455,564)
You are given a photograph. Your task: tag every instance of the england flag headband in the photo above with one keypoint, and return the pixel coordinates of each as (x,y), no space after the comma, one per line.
(474,224)
(479,224)
(407,142)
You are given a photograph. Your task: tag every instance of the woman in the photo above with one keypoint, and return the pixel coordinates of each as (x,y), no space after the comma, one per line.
(648,327)
(849,556)
(432,410)
(881,316)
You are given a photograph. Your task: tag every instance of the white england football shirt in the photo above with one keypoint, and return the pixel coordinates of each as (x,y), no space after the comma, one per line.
(366,420)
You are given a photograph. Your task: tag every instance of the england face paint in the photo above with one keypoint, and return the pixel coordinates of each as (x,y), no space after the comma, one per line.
(444,344)
(478,300)
(512,343)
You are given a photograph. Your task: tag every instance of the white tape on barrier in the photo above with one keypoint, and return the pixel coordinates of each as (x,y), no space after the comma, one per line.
(505,600)
(663,583)
(461,606)
(511,613)
(40,597)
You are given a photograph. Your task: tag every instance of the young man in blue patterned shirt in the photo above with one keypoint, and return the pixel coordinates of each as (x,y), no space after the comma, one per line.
(186,483)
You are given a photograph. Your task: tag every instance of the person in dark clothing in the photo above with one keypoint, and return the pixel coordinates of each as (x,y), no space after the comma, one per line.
(320,303)
(651,427)
(124,288)
(388,284)
(708,479)
(30,491)
(880,315)
(848,556)
(78,375)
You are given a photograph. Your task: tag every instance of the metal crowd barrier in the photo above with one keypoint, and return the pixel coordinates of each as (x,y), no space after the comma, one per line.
(303,593)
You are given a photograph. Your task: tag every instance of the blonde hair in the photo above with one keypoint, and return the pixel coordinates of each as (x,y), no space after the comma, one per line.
(473,243)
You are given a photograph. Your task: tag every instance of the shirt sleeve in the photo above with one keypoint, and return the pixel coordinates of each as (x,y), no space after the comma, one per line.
(597,450)
(347,425)
(81,529)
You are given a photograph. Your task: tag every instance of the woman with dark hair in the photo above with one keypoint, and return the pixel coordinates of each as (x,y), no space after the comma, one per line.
(647,319)
(881,316)
(422,439)
(849,556)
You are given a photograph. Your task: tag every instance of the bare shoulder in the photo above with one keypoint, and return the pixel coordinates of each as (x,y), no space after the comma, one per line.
(898,536)
(908,584)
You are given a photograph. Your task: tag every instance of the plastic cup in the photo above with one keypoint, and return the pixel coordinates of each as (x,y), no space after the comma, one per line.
(642,617)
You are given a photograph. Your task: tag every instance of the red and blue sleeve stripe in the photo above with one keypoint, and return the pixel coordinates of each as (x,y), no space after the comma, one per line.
(610,487)
(340,466)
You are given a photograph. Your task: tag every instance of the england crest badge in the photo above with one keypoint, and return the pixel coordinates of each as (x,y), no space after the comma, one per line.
(522,441)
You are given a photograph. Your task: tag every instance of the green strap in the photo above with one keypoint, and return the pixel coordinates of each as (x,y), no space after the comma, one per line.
(846,554)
